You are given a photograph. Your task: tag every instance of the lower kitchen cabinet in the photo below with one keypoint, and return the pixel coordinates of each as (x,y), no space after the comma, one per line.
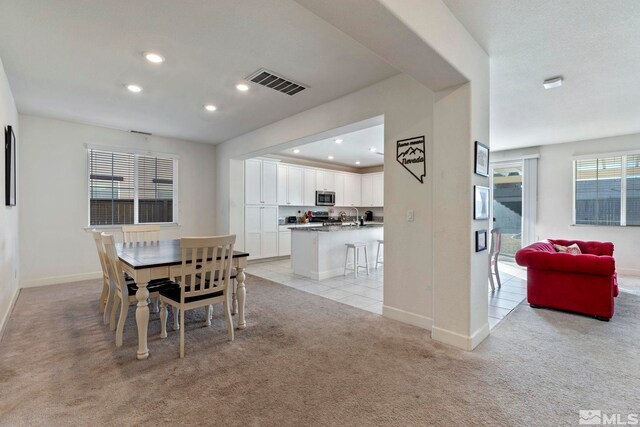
(261,231)
(284,243)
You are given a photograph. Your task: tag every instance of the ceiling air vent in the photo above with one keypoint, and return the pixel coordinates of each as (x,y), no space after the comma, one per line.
(274,81)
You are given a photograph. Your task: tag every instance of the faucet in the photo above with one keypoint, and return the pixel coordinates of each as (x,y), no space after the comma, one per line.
(357,214)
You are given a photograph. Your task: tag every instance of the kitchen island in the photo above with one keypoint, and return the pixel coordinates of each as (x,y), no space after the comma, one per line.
(319,252)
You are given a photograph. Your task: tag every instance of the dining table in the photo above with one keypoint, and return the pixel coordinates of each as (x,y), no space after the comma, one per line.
(161,259)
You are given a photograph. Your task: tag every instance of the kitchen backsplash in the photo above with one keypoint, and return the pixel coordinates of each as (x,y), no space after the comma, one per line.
(334,211)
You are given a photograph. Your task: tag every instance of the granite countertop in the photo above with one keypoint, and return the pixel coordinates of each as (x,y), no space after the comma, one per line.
(333,228)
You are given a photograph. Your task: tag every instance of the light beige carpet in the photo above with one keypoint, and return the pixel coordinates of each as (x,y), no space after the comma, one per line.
(305,360)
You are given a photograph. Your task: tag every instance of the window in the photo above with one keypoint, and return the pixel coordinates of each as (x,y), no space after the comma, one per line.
(127,188)
(607,190)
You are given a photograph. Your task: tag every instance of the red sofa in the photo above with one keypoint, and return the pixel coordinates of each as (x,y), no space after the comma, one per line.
(584,283)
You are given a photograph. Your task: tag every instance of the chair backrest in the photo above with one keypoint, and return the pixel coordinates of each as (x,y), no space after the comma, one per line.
(116,274)
(496,241)
(141,233)
(97,236)
(206,263)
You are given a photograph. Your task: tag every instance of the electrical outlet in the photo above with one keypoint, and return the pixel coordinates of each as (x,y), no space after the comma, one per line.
(410,215)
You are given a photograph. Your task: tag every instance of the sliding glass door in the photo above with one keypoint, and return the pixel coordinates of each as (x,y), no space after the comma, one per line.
(507,205)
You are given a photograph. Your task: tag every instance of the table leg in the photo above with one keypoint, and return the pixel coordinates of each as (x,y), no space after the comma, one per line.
(242,293)
(234,300)
(142,319)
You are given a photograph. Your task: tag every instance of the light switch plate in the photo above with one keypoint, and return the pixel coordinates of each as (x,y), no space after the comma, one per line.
(410,215)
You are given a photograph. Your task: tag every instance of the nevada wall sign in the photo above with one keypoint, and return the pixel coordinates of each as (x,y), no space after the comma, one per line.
(410,154)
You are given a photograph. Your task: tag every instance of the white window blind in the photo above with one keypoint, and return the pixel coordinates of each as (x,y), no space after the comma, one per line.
(129,188)
(607,190)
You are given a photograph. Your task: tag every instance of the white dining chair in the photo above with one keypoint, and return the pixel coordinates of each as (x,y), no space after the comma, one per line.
(494,252)
(141,233)
(124,291)
(107,294)
(204,280)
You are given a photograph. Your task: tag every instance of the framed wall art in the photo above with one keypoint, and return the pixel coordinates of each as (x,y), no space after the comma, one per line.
(10,166)
(481,159)
(480,202)
(481,240)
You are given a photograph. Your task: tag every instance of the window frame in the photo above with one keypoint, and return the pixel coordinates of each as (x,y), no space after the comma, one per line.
(623,185)
(136,153)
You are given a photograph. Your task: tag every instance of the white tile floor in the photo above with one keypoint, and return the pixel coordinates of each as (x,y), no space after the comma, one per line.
(365,292)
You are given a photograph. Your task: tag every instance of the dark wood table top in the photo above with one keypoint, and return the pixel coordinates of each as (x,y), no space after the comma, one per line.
(155,254)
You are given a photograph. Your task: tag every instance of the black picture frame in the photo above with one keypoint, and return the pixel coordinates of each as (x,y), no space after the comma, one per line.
(481,200)
(10,166)
(481,159)
(481,240)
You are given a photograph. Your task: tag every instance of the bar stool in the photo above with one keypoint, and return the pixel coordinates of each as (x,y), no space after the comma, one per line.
(356,246)
(380,243)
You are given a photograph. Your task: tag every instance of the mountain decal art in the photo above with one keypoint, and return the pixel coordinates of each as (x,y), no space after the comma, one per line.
(410,154)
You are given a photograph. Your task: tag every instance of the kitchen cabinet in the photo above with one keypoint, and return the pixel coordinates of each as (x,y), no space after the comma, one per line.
(378,189)
(260,182)
(339,189)
(261,231)
(325,180)
(290,185)
(352,190)
(284,243)
(309,189)
(366,193)
(372,193)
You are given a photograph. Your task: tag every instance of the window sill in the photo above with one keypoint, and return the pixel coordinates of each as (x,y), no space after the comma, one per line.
(602,226)
(164,225)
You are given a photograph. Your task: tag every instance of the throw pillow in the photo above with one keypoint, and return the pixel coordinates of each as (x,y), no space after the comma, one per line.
(572,249)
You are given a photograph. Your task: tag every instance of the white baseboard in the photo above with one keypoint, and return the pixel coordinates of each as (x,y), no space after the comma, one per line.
(455,339)
(407,317)
(5,317)
(45,281)
(628,271)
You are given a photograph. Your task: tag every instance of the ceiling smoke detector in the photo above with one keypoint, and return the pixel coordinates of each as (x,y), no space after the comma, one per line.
(553,82)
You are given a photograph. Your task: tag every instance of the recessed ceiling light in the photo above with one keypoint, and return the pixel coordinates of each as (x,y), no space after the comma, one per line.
(210,107)
(134,88)
(373,149)
(358,162)
(296,151)
(156,58)
(338,141)
(242,87)
(553,82)
(330,157)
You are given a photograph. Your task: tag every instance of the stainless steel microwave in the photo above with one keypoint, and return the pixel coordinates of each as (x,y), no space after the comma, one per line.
(325,198)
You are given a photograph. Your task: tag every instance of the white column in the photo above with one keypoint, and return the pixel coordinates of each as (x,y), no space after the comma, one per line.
(529,200)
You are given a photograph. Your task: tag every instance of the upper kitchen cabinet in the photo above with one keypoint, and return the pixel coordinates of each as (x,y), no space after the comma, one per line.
(325,180)
(352,190)
(290,185)
(339,180)
(260,182)
(309,189)
(372,190)
(378,189)
(367,190)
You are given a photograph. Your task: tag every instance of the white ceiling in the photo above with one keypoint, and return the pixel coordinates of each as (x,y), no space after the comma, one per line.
(71,61)
(594,45)
(355,146)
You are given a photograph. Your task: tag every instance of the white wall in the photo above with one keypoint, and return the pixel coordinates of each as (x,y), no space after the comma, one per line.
(9,265)
(407,107)
(55,246)
(555,196)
